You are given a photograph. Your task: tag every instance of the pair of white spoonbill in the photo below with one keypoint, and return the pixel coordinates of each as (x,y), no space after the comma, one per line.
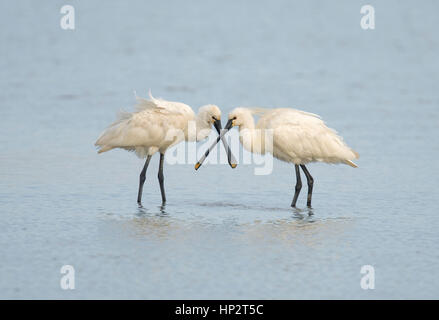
(298,137)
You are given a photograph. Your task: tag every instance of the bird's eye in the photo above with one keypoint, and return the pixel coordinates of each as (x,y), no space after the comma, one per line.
(234,118)
(213,117)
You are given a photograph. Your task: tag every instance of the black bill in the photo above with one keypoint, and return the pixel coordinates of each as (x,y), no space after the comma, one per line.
(231,159)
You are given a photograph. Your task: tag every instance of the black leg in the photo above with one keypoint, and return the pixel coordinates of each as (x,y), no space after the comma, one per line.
(161,178)
(142,180)
(310,184)
(298,186)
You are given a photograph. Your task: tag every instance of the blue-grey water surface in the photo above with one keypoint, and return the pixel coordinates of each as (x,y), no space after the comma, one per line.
(224,233)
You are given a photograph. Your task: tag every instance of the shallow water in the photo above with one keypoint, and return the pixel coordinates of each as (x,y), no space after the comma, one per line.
(224,233)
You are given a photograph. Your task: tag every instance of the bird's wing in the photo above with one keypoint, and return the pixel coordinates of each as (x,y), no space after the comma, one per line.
(304,137)
(267,111)
(147,126)
(258,111)
(275,118)
(162,106)
(293,131)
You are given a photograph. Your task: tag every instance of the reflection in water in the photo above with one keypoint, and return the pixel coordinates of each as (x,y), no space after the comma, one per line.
(153,226)
(141,211)
(145,223)
(299,226)
(303,214)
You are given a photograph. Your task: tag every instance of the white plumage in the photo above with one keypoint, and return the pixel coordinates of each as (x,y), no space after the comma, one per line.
(292,136)
(298,137)
(155,126)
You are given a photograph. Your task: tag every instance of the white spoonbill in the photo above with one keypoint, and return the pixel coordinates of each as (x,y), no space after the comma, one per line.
(157,125)
(298,137)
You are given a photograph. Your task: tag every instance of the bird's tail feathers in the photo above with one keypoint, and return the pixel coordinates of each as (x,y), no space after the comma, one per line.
(104,149)
(350,163)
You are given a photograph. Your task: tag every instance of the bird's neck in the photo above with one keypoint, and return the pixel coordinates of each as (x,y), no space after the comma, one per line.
(202,128)
(251,139)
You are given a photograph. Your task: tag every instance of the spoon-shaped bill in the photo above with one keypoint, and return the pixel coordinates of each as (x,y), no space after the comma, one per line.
(220,137)
(230,158)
